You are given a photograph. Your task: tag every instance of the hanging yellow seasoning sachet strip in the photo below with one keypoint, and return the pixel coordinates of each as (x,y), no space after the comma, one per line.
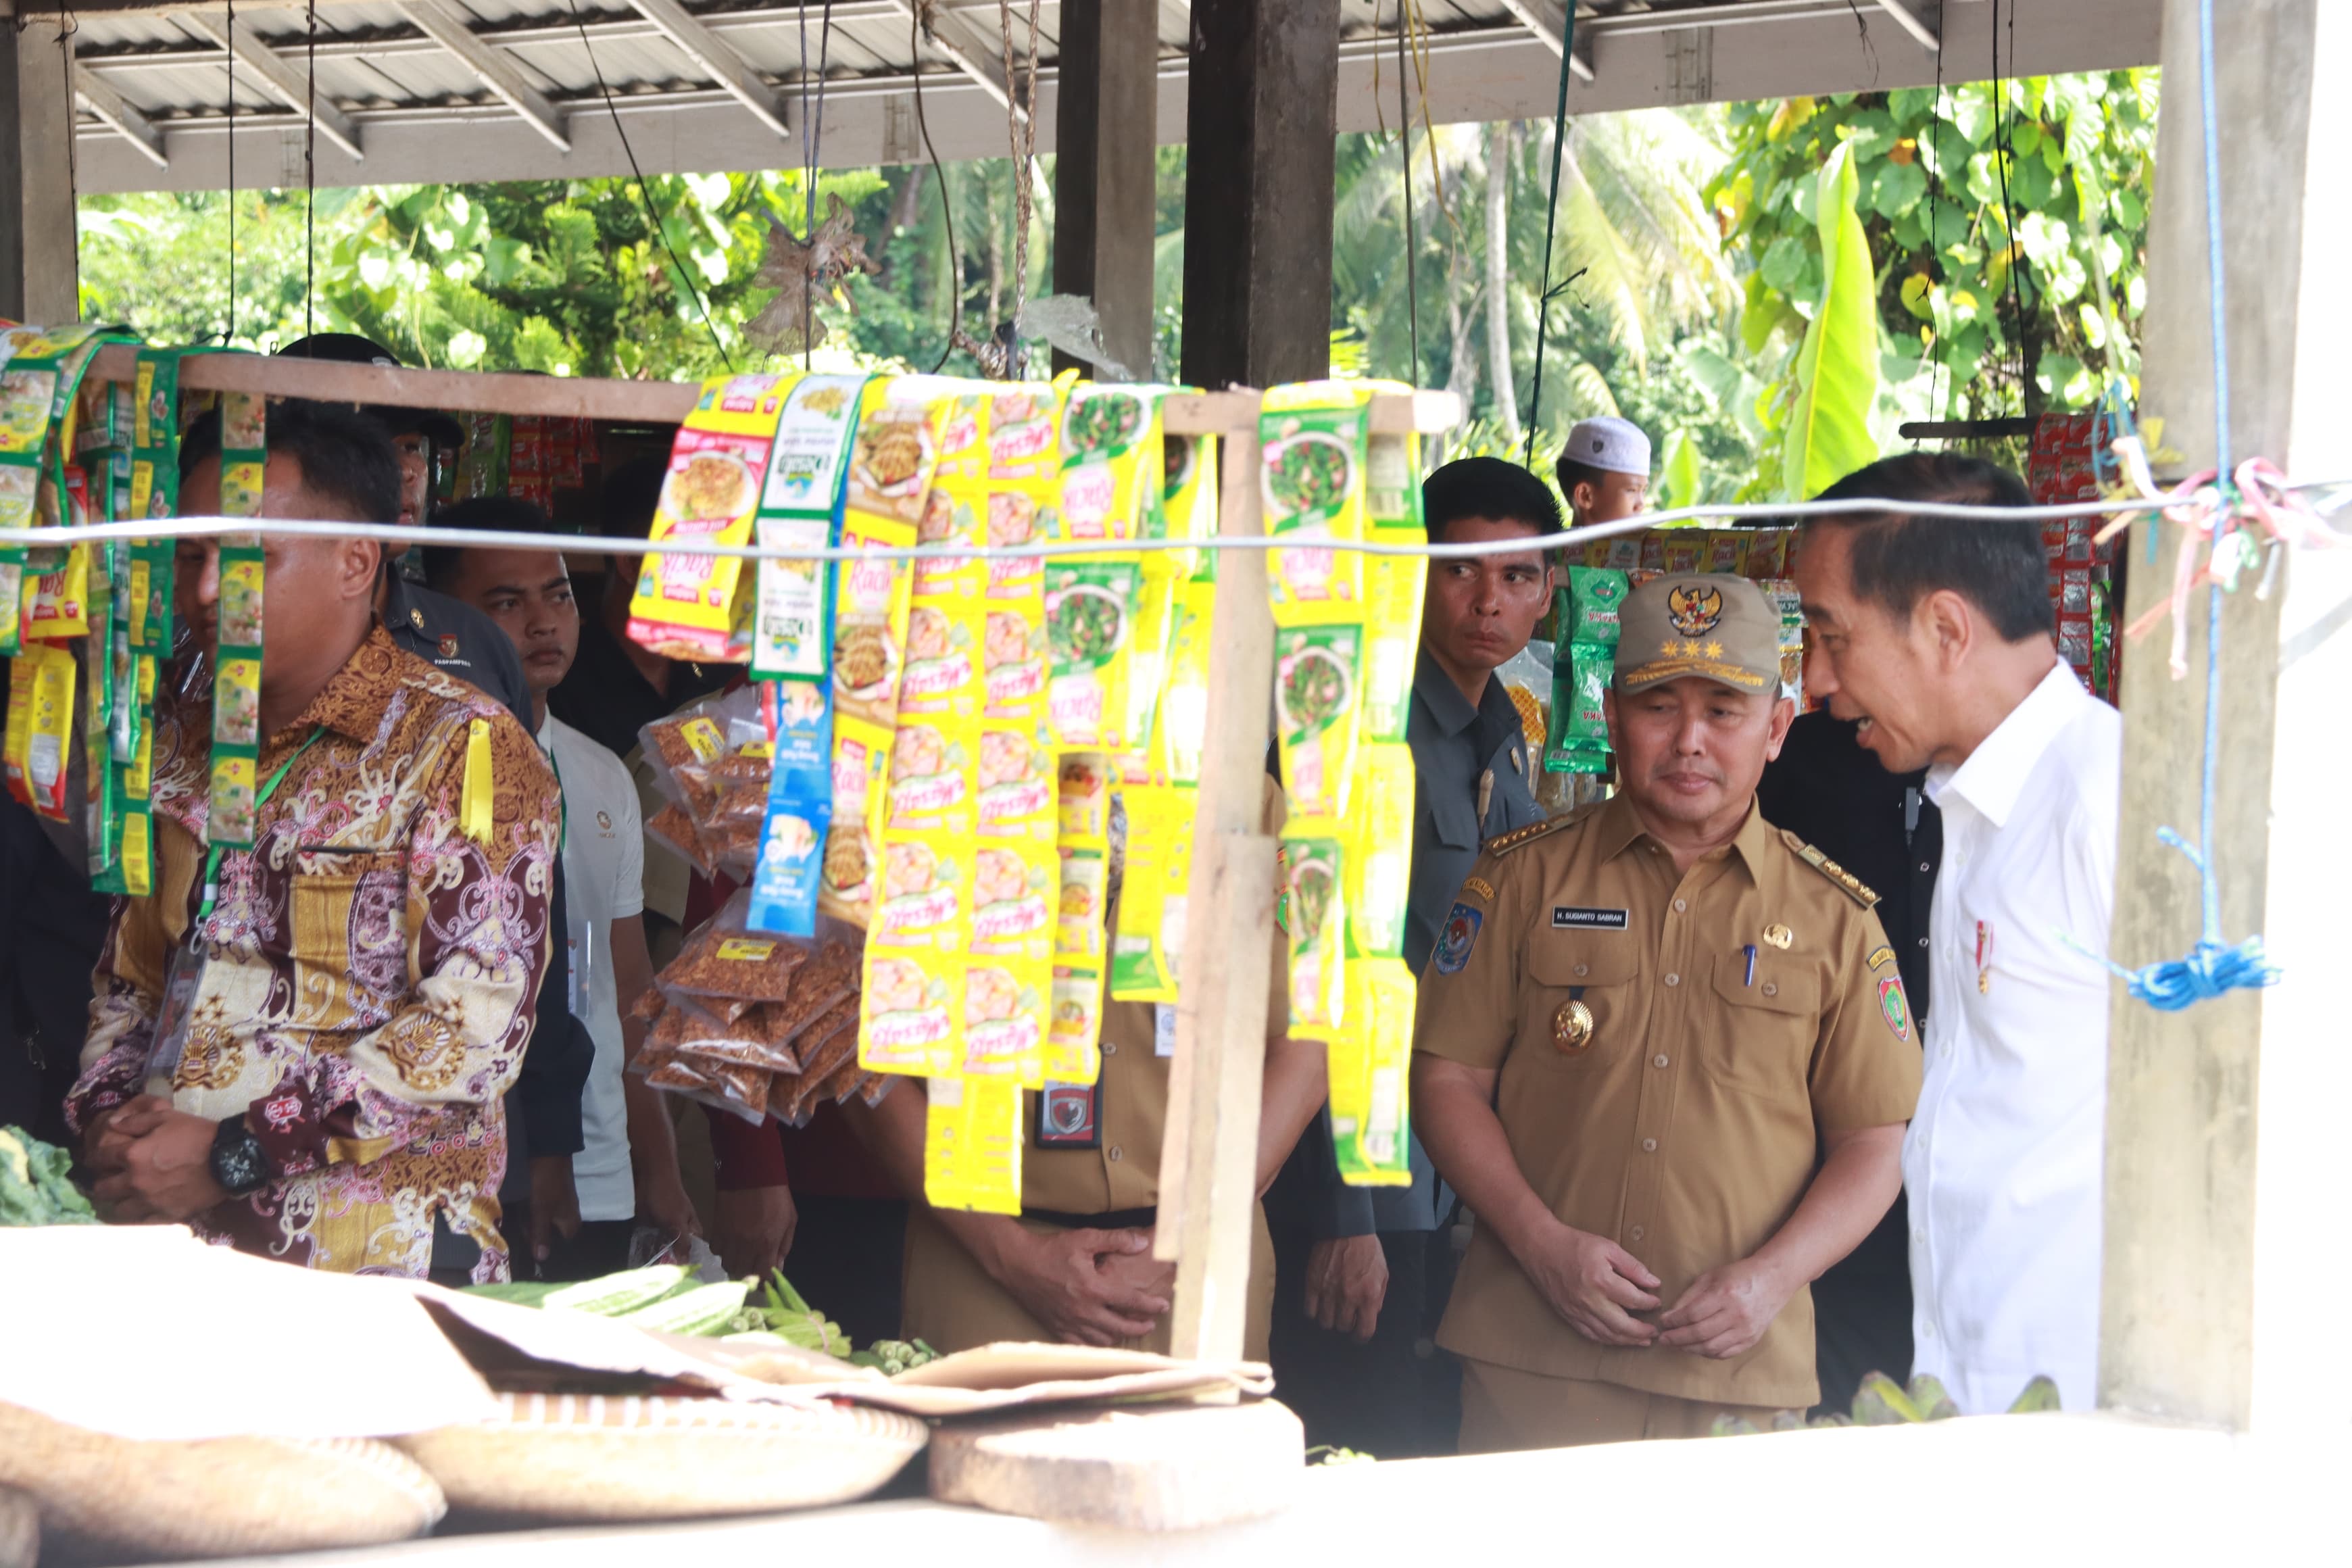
(1371,1063)
(972,1145)
(1312,478)
(236,689)
(40,727)
(685,606)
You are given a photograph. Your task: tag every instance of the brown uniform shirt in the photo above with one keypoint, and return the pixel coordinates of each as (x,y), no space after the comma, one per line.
(1686,1129)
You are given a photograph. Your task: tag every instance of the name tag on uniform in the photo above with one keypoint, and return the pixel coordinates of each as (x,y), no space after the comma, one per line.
(1163,1030)
(1069,1116)
(1579,917)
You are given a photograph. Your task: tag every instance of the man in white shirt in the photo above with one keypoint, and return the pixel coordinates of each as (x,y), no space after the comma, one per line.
(627,1173)
(1938,635)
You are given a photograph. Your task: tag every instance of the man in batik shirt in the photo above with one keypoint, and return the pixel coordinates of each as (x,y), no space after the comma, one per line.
(356,994)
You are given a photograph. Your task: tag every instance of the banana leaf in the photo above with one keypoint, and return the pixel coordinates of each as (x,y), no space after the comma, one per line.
(1837,369)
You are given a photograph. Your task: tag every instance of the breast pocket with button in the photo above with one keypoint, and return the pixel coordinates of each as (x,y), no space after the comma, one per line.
(347,933)
(1764,1042)
(1591,971)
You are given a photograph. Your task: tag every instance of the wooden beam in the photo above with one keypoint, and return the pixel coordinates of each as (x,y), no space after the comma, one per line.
(1549,22)
(108,105)
(972,52)
(2225,1185)
(286,84)
(38,271)
(1105,171)
(1257,187)
(1908,16)
(441,22)
(719,59)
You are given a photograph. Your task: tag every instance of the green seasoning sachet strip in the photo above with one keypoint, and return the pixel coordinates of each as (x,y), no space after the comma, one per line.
(1370,1068)
(800,505)
(1312,482)
(1579,723)
(1090,607)
(1588,604)
(1317,684)
(1379,862)
(236,690)
(1313,909)
(101,699)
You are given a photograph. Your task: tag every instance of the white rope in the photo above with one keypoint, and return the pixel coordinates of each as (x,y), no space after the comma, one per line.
(587,544)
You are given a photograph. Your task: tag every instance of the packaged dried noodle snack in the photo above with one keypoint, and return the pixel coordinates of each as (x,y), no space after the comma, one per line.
(1317,684)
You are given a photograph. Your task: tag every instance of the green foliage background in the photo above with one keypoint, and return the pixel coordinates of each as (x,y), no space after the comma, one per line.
(1690,236)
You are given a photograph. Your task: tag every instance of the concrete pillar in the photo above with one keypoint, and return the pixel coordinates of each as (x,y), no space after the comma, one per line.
(1257,191)
(2226,1191)
(1105,171)
(38,280)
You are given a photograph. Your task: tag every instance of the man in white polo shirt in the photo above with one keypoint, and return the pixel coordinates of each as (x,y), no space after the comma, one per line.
(1937,635)
(627,1172)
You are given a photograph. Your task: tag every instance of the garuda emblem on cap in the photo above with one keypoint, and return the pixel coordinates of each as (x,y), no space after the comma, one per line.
(1694,607)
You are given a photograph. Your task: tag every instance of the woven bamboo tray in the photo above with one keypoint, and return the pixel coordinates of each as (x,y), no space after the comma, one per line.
(118,1499)
(559,1458)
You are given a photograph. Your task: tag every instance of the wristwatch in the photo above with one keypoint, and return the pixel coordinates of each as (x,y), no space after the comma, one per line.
(239,1163)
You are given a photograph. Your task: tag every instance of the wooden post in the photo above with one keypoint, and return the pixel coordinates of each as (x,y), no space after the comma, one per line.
(2225,1268)
(1105,171)
(1209,1162)
(1257,191)
(38,278)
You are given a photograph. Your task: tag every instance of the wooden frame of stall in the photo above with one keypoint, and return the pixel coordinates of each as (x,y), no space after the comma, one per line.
(1209,1164)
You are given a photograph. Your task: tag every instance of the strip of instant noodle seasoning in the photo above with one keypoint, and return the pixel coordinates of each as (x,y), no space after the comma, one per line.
(784,885)
(1114,470)
(1315,882)
(1312,480)
(1371,1064)
(799,504)
(236,689)
(1317,687)
(972,1145)
(1090,611)
(1149,940)
(1073,1029)
(40,726)
(1379,833)
(688,606)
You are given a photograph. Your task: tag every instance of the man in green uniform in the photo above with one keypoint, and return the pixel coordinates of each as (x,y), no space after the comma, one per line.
(1640,1023)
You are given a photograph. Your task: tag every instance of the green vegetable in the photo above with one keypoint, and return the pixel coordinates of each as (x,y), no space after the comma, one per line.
(704,1309)
(521,1292)
(616,1294)
(33,1187)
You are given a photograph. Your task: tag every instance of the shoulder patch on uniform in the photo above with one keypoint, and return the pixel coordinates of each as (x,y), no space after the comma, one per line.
(1459,934)
(1846,881)
(1517,837)
(1879,955)
(1480,885)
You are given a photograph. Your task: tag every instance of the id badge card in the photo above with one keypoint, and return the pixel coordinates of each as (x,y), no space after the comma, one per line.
(181,980)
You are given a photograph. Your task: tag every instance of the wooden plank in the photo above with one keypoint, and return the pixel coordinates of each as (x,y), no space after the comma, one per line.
(109,107)
(452,390)
(289,86)
(2223,1183)
(50,276)
(441,22)
(1105,177)
(719,59)
(1257,253)
(1549,22)
(1208,1166)
(1172,1468)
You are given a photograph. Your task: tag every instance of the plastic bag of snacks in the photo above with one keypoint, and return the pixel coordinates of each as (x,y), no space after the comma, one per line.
(714,762)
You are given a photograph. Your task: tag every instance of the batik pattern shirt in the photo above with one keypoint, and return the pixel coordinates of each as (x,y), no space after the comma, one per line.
(368,992)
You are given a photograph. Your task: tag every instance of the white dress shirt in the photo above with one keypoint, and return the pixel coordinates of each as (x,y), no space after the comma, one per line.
(2004,1160)
(603,875)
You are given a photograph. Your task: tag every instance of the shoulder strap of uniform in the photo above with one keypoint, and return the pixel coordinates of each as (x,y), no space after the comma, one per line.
(1503,844)
(1847,882)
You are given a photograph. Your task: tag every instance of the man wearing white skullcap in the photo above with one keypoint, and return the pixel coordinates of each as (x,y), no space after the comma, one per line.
(1605,471)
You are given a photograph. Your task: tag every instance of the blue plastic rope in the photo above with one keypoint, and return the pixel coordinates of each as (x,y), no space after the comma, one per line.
(2212,966)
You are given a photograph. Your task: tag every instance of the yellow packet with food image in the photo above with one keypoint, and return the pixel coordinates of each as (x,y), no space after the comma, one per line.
(1112,465)
(1074,1030)
(1083,904)
(955,512)
(1022,422)
(1014,653)
(1394,588)
(1180,729)
(944,671)
(921,901)
(1311,479)
(58,603)
(1005,1004)
(932,775)
(684,605)
(869,629)
(1317,687)
(1189,499)
(1315,866)
(1082,799)
(1149,943)
(1370,1067)
(1378,831)
(1017,782)
(40,726)
(27,393)
(972,1145)
(1155,624)
(845,876)
(909,1011)
(1089,627)
(1015,893)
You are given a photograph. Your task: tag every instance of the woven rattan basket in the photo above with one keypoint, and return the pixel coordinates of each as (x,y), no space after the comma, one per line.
(118,1500)
(559,1458)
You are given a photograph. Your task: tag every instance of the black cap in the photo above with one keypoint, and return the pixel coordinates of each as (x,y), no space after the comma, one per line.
(352,349)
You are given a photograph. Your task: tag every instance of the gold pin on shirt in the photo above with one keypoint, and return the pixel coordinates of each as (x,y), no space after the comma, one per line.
(1778,936)
(1571,1028)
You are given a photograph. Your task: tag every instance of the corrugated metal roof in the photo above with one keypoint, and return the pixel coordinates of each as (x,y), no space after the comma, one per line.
(154,108)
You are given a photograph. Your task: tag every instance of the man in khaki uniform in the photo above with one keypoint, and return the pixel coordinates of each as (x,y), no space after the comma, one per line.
(1076,1265)
(1662,1052)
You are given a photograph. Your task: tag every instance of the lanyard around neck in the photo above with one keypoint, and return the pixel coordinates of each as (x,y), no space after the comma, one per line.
(213,855)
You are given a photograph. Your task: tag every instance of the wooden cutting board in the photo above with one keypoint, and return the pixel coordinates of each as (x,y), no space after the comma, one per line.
(1178,1468)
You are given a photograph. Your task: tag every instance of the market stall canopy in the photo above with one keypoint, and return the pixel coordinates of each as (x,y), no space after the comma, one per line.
(462,91)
